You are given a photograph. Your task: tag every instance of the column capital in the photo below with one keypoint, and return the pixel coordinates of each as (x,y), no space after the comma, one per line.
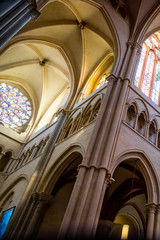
(112,78)
(34,14)
(150,208)
(134,45)
(158,208)
(44,198)
(33,9)
(108,180)
(63,112)
(35,196)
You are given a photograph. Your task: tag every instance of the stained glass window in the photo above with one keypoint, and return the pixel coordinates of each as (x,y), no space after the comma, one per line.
(157,53)
(154,41)
(15,107)
(103,80)
(155,92)
(148,74)
(148,42)
(140,65)
(4,220)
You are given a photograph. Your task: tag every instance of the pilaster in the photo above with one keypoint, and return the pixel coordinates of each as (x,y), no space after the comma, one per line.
(150,211)
(157,223)
(41,203)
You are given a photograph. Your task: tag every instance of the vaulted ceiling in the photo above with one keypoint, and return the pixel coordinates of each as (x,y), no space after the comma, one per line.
(53,57)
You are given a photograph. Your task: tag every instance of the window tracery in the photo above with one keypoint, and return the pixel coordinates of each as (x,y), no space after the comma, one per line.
(15,107)
(147,76)
(95,111)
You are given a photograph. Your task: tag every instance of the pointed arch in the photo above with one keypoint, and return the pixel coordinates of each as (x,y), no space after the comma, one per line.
(147,170)
(60,164)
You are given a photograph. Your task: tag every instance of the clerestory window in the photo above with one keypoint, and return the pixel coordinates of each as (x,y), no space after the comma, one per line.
(147,76)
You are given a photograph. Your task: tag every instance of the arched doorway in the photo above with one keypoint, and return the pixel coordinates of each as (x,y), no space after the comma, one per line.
(124,204)
(61,193)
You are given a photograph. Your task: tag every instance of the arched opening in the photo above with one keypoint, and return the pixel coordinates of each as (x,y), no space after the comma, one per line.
(61,193)
(124,204)
(76,123)
(86,117)
(95,111)
(152,133)
(4,160)
(141,124)
(67,130)
(131,116)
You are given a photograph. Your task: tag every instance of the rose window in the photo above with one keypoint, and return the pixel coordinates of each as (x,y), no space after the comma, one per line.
(15,108)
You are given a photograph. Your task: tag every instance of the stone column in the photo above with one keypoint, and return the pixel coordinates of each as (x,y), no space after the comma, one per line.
(29,213)
(8,166)
(135,122)
(16,221)
(12,166)
(108,181)
(43,200)
(15,17)
(80,219)
(156,137)
(90,176)
(146,133)
(157,224)
(150,210)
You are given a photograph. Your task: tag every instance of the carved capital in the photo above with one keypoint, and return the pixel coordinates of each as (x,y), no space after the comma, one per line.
(134,45)
(34,14)
(44,198)
(108,180)
(139,51)
(112,78)
(33,9)
(151,208)
(34,197)
(63,112)
(158,209)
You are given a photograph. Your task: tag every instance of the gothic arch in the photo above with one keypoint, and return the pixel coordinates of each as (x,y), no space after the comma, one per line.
(61,163)
(13,184)
(140,34)
(147,170)
(137,101)
(9,196)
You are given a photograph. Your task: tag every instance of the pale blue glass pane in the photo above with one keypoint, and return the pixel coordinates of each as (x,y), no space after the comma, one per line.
(4,221)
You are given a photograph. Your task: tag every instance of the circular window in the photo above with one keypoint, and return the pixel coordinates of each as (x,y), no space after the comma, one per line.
(15,108)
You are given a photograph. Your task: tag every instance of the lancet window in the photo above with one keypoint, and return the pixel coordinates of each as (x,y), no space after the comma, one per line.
(147,76)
